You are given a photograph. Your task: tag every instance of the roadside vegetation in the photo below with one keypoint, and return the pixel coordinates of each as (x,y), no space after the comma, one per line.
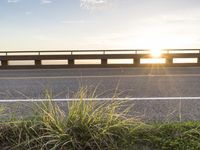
(90,125)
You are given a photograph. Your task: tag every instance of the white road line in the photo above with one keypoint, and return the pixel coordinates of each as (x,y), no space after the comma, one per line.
(103,99)
(80,69)
(64,69)
(101,76)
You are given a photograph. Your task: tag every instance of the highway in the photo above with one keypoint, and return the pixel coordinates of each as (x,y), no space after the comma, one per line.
(157,93)
(123,82)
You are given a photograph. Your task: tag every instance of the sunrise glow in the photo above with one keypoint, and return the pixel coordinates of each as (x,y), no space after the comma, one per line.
(156,52)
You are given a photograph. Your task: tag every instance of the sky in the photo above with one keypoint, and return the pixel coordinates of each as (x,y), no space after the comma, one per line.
(99,24)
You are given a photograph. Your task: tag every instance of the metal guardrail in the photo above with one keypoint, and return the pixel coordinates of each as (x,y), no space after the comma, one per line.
(104,52)
(103,55)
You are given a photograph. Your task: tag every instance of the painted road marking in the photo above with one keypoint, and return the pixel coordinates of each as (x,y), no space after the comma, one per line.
(102,99)
(79,69)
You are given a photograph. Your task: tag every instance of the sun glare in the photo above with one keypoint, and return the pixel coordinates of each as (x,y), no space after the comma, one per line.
(156,52)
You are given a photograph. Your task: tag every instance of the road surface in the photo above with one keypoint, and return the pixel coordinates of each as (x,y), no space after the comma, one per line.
(126,82)
(157,86)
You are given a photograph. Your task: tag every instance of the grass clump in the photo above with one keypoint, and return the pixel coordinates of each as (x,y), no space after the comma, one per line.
(88,125)
(84,125)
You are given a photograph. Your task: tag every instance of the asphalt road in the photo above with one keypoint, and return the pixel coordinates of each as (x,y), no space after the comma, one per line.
(150,83)
(122,82)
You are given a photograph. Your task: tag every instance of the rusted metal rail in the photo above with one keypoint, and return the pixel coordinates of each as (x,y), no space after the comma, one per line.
(102,55)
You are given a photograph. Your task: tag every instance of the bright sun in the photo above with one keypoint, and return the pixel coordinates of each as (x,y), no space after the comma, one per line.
(156,52)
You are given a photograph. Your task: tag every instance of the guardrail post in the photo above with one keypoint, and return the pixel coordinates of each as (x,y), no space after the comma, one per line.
(169,61)
(136,61)
(71,61)
(38,62)
(4,62)
(104,61)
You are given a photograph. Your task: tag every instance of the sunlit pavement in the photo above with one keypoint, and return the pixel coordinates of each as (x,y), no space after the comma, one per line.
(127,82)
(148,83)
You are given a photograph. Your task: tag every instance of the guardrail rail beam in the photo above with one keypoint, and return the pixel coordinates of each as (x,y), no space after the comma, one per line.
(103,55)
